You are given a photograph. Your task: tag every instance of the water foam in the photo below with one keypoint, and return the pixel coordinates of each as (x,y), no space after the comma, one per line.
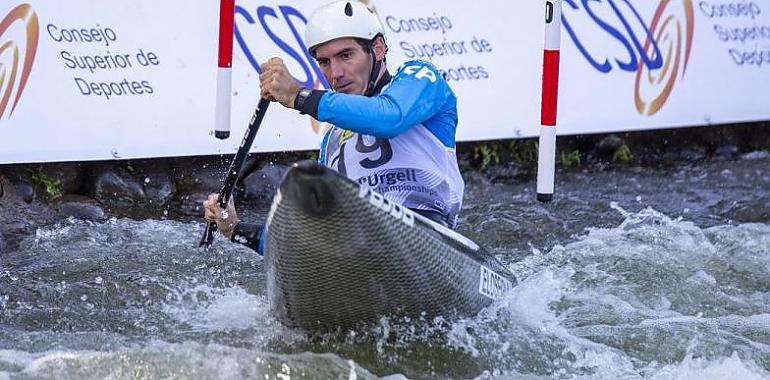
(654,296)
(214,309)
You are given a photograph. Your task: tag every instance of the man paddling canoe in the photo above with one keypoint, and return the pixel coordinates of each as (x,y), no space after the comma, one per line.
(392,133)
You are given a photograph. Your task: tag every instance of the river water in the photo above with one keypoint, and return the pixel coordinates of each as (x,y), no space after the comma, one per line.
(631,273)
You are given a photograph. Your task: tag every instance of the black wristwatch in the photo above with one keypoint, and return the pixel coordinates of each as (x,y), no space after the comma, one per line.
(299,101)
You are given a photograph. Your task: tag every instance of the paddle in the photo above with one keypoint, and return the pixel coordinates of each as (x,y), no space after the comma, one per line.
(235,168)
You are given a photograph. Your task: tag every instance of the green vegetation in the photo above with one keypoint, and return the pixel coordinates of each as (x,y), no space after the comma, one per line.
(523,152)
(622,154)
(42,180)
(571,159)
(486,153)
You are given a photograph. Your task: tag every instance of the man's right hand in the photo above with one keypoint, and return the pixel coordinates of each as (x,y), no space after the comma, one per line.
(225,219)
(277,84)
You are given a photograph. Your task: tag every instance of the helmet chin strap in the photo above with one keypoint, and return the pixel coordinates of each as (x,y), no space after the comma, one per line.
(375,71)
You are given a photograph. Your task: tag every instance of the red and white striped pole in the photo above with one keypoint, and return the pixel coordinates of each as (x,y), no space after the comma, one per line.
(224,69)
(546,158)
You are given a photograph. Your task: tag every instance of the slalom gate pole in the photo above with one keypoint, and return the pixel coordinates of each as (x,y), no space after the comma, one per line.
(224,69)
(546,158)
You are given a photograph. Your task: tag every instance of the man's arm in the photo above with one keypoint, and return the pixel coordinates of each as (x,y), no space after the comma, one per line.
(416,93)
(250,235)
(228,224)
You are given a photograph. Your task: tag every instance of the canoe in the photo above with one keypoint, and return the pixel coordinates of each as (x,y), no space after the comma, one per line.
(339,256)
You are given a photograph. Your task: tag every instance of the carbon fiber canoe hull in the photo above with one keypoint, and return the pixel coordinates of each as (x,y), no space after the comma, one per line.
(338,255)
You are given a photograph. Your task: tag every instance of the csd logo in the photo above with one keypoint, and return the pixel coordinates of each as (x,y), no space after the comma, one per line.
(657,52)
(19,35)
(282,26)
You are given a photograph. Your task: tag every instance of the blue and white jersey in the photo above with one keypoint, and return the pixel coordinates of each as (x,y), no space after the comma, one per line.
(400,142)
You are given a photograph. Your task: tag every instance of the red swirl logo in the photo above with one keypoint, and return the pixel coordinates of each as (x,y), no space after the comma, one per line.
(672,28)
(16,58)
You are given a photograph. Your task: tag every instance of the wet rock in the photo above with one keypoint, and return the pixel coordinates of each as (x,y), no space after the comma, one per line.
(727,151)
(120,193)
(261,184)
(158,186)
(17,184)
(44,181)
(608,145)
(67,176)
(136,189)
(194,180)
(186,206)
(3,244)
(81,207)
(693,153)
(199,175)
(755,211)
(25,191)
(507,172)
(19,212)
(14,231)
(117,185)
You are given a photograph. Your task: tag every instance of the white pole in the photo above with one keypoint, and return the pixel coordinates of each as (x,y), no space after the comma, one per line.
(224,69)
(546,158)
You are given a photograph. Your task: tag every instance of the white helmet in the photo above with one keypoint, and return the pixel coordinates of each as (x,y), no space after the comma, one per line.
(341,19)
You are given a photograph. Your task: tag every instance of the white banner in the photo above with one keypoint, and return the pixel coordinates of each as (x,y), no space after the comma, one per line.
(93,80)
(650,64)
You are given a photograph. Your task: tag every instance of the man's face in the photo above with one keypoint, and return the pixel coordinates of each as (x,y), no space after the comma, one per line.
(345,65)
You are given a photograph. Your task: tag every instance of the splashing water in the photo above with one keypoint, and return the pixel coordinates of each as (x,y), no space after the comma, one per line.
(637,294)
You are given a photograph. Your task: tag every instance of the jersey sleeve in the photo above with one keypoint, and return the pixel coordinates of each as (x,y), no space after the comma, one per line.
(416,93)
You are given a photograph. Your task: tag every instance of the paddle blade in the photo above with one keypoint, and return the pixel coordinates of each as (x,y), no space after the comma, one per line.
(208,235)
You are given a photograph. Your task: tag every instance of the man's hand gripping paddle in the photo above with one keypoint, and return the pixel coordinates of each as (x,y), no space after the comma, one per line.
(235,168)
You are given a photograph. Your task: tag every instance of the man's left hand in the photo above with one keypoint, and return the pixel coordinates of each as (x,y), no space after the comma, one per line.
(225,219)
(277,84)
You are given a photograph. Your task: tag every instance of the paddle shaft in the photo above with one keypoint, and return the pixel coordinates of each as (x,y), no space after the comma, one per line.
(235,168)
